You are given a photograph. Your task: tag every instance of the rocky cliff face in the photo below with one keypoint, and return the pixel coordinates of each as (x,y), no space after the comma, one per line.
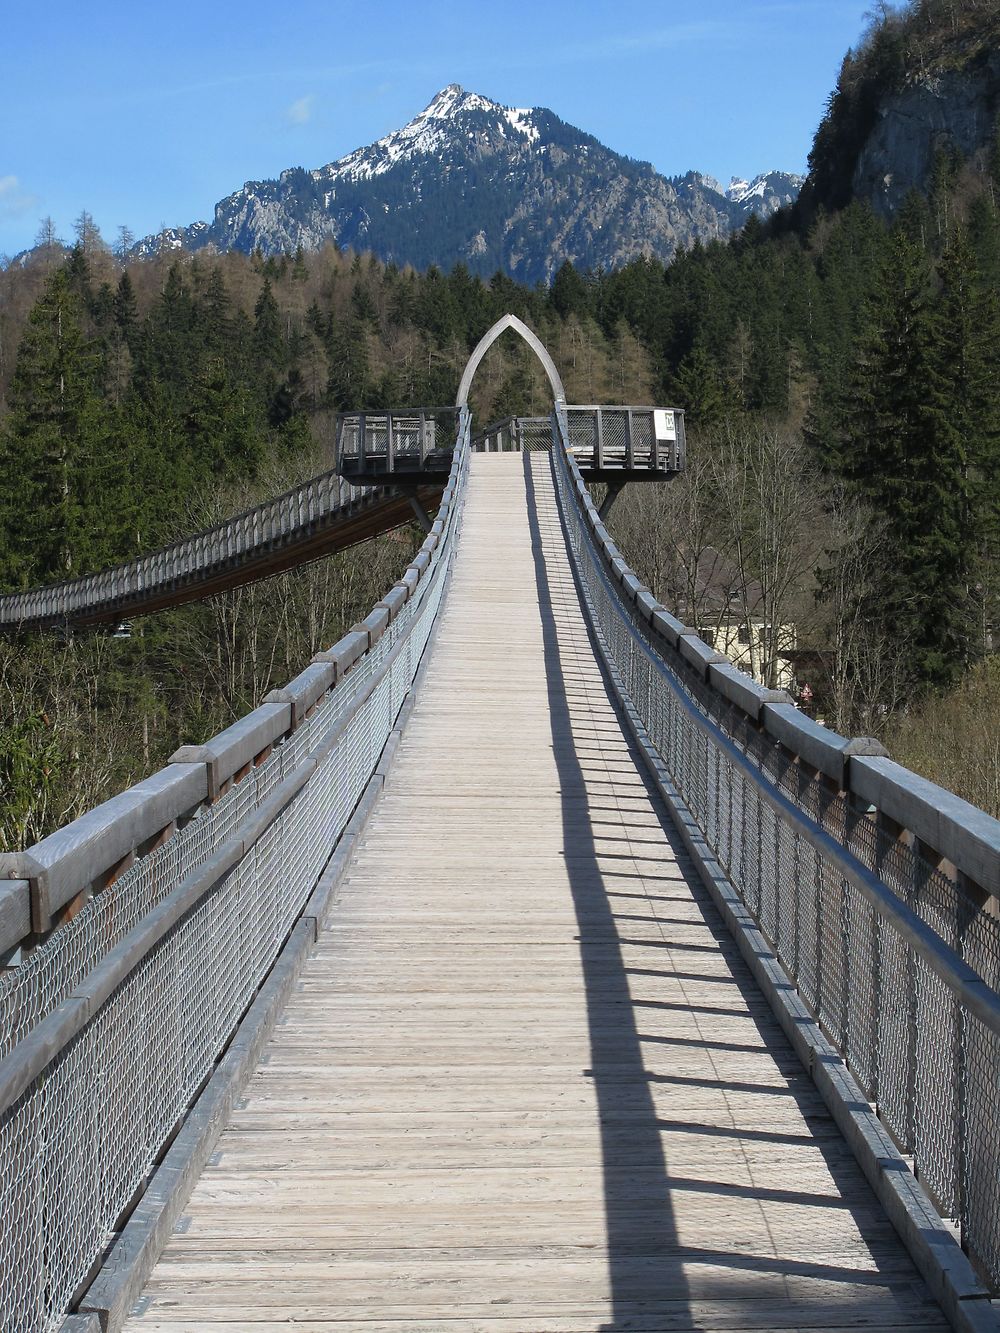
(954,109)
(496,187)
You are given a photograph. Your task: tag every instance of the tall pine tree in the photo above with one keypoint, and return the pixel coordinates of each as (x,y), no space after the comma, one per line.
(968,338)
(906,454)
(53,443)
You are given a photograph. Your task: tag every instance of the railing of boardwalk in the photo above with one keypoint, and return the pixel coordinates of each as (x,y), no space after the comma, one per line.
(265,528)
(137,937)
(603,440)
(514,434)
(383,443)
(877,890)
(632,439)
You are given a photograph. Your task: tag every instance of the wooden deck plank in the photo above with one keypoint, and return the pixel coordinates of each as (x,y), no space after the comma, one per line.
(527,1083)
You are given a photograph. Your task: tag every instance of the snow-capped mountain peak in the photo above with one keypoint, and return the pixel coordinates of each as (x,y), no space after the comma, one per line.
(766,193)
(428,134)
(444,103)
(496,187)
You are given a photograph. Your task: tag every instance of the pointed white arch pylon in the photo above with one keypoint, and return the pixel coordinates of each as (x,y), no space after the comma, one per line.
(487,341)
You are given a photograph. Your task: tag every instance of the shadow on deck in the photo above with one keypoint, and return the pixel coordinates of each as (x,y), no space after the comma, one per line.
(653,1266)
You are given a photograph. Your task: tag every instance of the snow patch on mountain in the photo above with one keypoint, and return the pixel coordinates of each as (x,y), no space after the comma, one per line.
(427,135)
(766,193)
(522,122)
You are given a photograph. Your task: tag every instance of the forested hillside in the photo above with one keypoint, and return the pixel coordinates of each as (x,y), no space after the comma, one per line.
(138,389)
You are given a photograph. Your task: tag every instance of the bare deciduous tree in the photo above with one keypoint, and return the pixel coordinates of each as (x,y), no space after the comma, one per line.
(866,677)
(737,537)
(770,500)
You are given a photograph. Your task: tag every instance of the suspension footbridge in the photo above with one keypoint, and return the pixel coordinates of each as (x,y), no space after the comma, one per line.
(521,966)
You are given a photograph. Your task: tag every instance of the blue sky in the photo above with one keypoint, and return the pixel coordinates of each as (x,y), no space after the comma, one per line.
(145,115)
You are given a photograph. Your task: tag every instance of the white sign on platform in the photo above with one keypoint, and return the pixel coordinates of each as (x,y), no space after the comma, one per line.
(664,425)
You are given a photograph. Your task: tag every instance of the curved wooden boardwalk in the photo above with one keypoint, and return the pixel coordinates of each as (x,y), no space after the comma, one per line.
(527,1084)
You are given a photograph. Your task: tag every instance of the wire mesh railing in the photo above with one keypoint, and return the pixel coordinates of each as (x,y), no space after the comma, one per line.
(626,439)
(378,443)
(110,1026)
(898,960)
(514,434)
(608,440)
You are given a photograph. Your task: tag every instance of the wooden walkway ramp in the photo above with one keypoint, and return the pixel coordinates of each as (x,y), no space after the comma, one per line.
(527,1085)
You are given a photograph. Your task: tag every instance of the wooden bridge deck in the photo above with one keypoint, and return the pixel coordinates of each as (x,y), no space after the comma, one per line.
(527,1083)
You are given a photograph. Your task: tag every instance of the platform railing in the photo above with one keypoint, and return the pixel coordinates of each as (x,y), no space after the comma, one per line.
(877,890)
(514,435)
(409,440)
(626,439)
(623,442)
(136,937)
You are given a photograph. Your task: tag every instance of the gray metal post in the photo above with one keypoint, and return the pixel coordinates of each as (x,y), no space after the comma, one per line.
(423,518)
(615,489)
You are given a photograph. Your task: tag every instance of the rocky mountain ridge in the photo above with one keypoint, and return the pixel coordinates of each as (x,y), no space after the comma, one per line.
(921,88)
(514,189)
(955,110)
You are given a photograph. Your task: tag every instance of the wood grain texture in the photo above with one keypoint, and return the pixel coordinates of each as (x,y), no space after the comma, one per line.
(526,1083)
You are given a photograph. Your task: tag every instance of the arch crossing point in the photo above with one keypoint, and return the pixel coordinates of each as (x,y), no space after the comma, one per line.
(487,341)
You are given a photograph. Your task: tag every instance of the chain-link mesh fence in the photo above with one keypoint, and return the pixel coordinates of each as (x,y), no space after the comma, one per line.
(536,434)
(77,1145)
(629,439)
(514,435)
(605,439)
(811,870)
(369,442)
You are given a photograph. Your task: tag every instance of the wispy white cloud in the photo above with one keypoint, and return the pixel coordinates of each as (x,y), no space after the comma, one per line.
(300,112)
(15,201)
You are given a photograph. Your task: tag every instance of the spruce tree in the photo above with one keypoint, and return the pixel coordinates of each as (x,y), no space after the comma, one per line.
(698,388)
(968,336)
(349,381)
(166,357)
(568,294)
(268,344)
(216,316)
(269,357)
(51,442)
(984,237)
(906,456)
(126,310)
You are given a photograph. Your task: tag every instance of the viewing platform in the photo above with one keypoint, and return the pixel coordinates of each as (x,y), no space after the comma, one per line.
(614,445)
